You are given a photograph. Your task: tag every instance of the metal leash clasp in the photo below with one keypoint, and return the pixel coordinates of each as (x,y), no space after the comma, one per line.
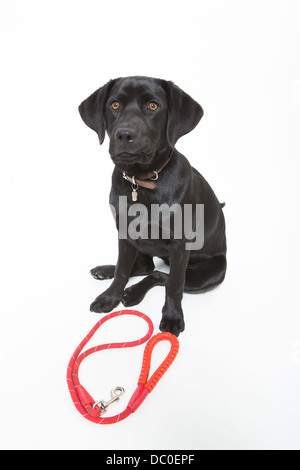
(115,394)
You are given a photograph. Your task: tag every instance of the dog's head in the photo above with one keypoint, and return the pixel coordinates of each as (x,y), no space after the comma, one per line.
(144,118)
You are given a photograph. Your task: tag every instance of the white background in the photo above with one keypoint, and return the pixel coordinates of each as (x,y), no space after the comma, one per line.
(235,383)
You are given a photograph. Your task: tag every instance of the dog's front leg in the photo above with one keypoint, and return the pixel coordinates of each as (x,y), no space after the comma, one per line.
(172,319)
(109,299)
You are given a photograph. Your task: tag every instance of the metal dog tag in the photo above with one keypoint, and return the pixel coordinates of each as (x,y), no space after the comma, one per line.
(134,187)
(134,195)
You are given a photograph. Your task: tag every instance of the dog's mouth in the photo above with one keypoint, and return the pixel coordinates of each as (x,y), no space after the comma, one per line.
(128,159)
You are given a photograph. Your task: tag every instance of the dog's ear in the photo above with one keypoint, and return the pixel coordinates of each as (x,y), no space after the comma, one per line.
(92,110)
(184,112)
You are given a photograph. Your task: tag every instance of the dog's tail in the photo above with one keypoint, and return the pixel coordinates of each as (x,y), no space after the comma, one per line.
(222,204)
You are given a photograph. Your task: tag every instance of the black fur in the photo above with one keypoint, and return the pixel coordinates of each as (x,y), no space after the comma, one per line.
(142,140)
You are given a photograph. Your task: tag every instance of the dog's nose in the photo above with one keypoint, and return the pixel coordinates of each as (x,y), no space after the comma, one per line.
(125,135)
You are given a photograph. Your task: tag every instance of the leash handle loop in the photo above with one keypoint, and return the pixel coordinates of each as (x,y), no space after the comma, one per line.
(162,369)
(146,386)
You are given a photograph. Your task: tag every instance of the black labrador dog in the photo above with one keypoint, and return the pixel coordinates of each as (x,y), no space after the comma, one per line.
(144,117)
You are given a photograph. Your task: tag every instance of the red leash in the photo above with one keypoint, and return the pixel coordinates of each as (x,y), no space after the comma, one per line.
(86,405)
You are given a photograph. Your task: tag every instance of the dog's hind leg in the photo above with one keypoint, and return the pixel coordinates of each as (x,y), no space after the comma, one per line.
(133,295)
(142,267)
(103,272)
(200,277)
(205,274)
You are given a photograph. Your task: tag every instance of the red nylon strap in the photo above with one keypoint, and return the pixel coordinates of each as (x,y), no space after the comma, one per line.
(146,386)
(81,398)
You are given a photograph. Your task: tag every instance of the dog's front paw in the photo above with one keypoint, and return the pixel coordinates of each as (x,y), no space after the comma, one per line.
(173,323)
(105,303)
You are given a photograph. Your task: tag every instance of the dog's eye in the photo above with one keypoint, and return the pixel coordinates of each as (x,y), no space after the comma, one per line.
(153,106)
(115,105)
